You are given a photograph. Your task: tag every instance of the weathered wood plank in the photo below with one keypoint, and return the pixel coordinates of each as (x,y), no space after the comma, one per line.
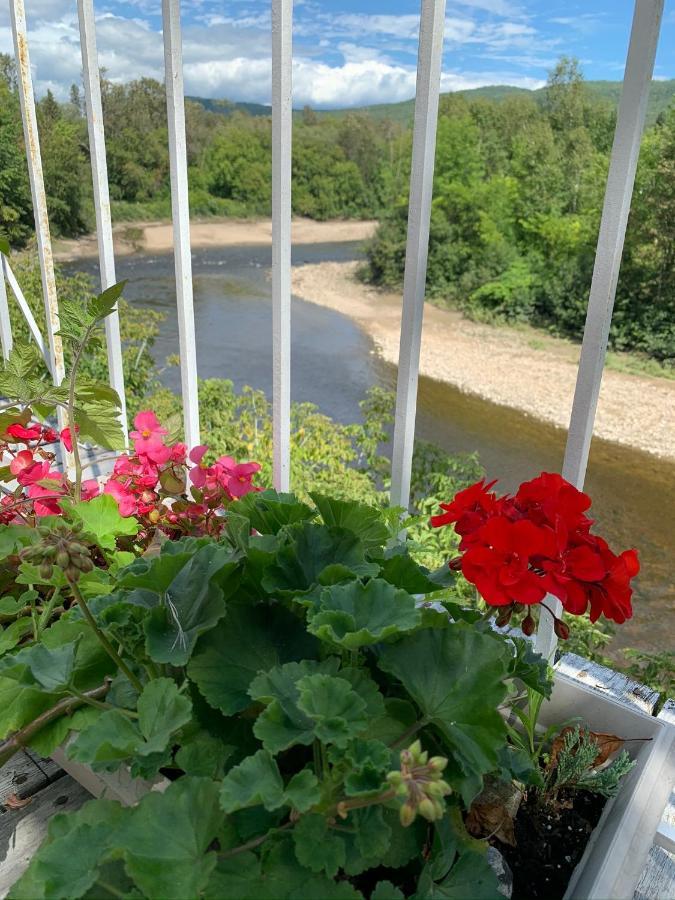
(657,882)
(613,684)
(52,770)
(23,830)
(21,776)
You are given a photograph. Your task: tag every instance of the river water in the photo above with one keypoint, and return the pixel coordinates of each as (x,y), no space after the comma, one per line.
(334,363)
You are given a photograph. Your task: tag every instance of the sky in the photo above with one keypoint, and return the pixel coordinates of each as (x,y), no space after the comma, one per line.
(343,54)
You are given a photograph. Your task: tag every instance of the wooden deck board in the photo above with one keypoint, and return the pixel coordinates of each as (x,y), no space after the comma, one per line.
(23,830)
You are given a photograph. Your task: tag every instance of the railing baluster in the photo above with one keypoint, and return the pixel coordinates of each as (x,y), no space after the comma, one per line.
(33,326)
(175,105)
(30,131)
(622,167)
(5,324)
(99,172)
(282,17)
(432,22)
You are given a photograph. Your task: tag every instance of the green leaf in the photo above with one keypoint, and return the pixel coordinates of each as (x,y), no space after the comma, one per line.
(252,639)
(403,572)
(471,878)
(255,781)
(312,549)
(4,245)
(364,521)
(365,687)
(283,724)
(317,847)
(385,890)
(101,306)
(110,740)
(53,735)
(355,615)
(203,754)
(99,423)
(14,538)
(101,520)
(192,604)
(456,677)
(48,670)
(530,667)
(166,837)
(338,713)
(366,763)
(278,877)
(268,511)
(369,842)
(13,633)
(162,710)
(303,791)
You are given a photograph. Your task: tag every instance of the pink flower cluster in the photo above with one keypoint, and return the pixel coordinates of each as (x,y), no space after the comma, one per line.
(33,469)
(149,483)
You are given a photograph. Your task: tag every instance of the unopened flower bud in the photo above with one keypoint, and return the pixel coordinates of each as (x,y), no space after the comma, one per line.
(427,809)
(527,625)
(62,558)
(407,814)
(437,763)
(504,617)
(395,779)
(561,629)
(154,516)
(46,570)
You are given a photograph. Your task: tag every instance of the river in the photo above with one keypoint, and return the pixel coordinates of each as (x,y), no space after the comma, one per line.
(334,363)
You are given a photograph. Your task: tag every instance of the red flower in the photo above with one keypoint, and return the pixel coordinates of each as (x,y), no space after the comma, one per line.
(549,498)
(498,561)
(66,438)
(469,509)
(23,433)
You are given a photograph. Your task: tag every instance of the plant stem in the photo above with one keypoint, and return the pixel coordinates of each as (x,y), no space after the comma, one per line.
(33,616)
(111,890)
(103,640)
(22,737)
(409,732)
(77,488)
(318,762)
(99,704)
(255,842)
(46,614)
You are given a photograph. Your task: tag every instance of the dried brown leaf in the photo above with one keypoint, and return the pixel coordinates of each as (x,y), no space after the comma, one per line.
(608,744)
(491,820)
(15,802)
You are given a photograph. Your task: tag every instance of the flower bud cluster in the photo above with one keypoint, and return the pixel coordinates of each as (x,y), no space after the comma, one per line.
(421,784)
(61,546)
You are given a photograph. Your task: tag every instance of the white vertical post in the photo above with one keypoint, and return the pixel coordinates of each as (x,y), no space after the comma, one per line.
(26,310)
(5,324)
(620,180)
(99,172)
(30,132)
(175,106)
(282,16)
(432,24)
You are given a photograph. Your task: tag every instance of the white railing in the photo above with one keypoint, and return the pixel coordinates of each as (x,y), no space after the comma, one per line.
(623,162)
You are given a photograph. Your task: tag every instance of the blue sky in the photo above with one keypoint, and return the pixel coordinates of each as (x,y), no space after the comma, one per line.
(346,53)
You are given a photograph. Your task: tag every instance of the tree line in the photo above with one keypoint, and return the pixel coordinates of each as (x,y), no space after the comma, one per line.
(518,192)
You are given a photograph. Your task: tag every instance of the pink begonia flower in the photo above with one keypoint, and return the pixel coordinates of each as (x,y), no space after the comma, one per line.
(147,425)
(237,477)
(198,472)
(46,504)
(143,472)
(36,472)
(22,461)
(179,453)
(153,449)
(126,501)
(90,489)
(23,433)
(66,438)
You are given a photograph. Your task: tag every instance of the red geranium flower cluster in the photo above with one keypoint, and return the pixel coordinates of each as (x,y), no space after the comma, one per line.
(517,549)
(149,483)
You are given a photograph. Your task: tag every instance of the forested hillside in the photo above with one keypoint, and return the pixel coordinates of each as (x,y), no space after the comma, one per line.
(517,194)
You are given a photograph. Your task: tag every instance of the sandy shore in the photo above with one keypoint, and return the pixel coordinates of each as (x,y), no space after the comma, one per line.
(157,237)
(520,369)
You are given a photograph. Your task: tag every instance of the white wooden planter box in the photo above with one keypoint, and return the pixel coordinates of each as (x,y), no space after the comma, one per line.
(618,847)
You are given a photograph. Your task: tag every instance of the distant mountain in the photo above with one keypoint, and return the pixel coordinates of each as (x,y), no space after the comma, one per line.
(660,98)
(227,107)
